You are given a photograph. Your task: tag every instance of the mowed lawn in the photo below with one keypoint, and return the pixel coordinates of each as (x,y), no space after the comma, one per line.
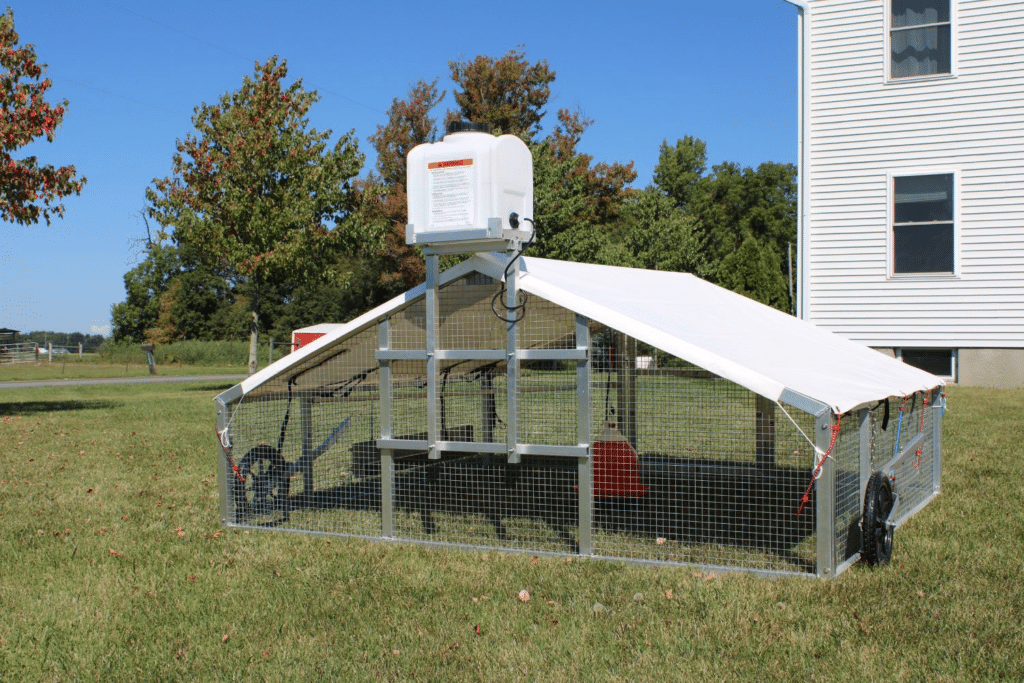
(114,566)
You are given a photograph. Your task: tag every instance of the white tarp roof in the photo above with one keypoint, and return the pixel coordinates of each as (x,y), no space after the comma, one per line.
(753,345)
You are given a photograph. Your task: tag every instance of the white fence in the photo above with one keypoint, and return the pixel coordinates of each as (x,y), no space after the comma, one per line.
(27,352)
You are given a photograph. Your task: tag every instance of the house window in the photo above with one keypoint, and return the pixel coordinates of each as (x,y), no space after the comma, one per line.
(941,362)
(920,35)
(922,227)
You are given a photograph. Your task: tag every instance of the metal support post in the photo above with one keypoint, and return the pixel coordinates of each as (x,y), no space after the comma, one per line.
(936,412)
(306,427)
(223,474)
(864,422)
(625,404)
(764,432)
(512,369)
(432,368)
(825,500)
(487,407)
(387,463)
(584,422)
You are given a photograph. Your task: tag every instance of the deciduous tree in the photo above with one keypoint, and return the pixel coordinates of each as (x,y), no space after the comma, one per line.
(256,190)
(509,92)
(661,236)
(28,191)
(576,201)
(755,271)
(383,197)
(744,217)
(681,169)
(144,285)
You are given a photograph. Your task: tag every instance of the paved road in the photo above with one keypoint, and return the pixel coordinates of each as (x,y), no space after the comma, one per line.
(120,380)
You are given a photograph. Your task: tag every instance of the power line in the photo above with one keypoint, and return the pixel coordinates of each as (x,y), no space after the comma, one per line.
(114,94)
(234,54)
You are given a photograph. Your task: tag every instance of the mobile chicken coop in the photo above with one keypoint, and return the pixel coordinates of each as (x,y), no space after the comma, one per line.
(637,415)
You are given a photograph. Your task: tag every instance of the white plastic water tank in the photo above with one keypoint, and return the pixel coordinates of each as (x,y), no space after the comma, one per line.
(465,187)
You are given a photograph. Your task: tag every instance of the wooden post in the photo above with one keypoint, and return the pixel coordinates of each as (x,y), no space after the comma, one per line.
(764,431)
(625,404)
(487,407)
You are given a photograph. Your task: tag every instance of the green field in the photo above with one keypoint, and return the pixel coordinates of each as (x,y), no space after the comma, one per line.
(95,368)
(114,566)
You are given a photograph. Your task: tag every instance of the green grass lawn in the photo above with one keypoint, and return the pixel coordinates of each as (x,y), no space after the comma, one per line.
(89,369)
(114,566)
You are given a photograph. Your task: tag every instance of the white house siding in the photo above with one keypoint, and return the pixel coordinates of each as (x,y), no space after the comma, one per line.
(862,129)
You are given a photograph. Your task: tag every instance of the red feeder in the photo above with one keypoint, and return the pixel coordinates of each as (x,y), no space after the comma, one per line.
(616,467)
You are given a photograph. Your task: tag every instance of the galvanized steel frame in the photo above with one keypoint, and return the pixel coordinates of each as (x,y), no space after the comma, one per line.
(827,562)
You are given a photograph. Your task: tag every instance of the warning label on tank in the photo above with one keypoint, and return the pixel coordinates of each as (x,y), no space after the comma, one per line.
(450,193)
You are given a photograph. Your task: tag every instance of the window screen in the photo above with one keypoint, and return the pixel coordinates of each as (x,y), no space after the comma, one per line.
(923,239)
(936,361)
(920,38)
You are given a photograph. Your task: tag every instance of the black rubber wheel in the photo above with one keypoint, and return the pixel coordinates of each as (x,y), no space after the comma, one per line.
(876,548)
(263,486)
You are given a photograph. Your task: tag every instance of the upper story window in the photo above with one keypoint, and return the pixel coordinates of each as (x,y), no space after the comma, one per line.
(920,38)
(922,225)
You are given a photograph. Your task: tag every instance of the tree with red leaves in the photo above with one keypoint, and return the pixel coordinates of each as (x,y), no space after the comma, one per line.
(257,191)
(24,184)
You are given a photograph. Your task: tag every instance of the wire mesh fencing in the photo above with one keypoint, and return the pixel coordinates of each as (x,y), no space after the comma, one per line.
(590,443)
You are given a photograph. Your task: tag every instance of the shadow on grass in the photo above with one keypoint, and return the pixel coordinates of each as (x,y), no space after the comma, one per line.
(694,503)
(32,407)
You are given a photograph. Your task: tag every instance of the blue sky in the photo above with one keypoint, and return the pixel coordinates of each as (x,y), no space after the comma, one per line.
(132,72)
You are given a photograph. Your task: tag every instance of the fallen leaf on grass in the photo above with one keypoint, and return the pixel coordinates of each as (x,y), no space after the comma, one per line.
(114,552)
(476,629)
(224,638)
(453,646)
